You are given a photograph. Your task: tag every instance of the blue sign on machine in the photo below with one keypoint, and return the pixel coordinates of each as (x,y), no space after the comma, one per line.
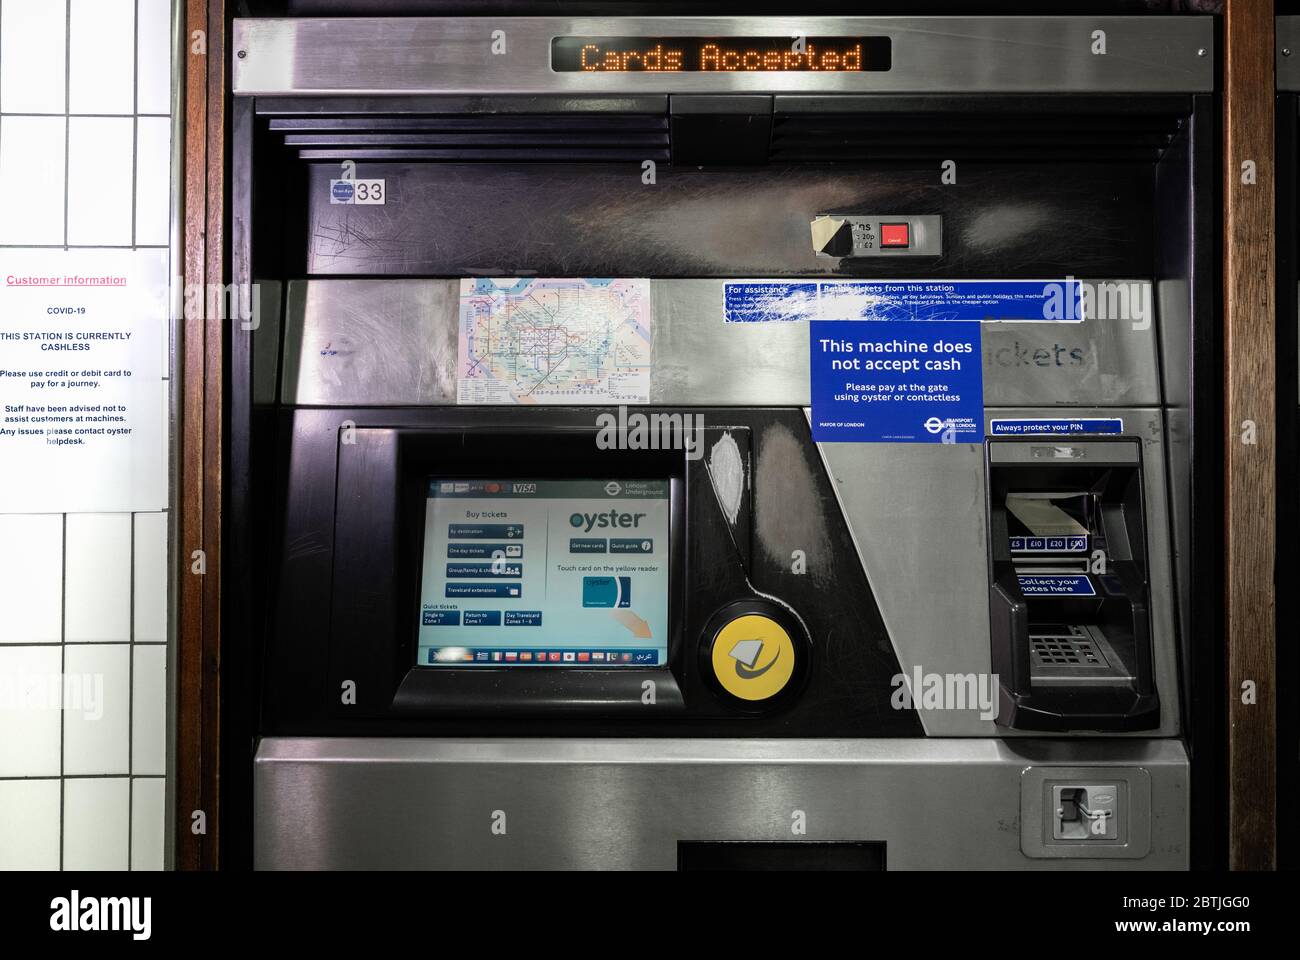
(1056,585)
(1034,301)
(913,371)
(896,380)
(767,301)
(1059,426)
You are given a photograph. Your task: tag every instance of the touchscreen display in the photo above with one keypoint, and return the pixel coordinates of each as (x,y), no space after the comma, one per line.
(545,573)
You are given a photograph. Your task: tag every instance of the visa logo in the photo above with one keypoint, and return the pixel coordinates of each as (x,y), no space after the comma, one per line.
(523,488)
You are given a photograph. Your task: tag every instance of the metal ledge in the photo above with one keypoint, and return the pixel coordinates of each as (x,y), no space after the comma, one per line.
(430,55)
(400,803)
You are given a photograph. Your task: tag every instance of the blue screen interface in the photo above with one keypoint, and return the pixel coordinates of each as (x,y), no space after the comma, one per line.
(545,573)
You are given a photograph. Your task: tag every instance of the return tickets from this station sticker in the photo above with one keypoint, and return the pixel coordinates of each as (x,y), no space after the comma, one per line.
(901,361)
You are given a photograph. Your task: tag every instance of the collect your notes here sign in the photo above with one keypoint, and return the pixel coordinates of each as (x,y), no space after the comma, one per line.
(82,395)
(899,361)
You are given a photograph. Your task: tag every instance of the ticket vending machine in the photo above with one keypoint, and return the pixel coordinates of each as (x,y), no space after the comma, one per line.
(551,547)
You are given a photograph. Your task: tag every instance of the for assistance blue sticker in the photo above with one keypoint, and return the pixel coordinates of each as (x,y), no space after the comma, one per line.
(1055,585)
(1046,426)
(768,301)
(896,381)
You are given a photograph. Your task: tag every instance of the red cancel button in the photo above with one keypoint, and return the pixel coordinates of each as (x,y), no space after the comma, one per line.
(894,235)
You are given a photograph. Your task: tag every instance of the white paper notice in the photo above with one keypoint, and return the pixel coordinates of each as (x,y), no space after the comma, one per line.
(82,395)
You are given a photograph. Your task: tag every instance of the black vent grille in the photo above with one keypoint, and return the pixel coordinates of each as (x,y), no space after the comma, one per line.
(1030,129)
(567,137)
(995,137)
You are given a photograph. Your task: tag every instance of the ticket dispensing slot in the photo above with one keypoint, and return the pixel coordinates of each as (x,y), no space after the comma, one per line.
(1071,627)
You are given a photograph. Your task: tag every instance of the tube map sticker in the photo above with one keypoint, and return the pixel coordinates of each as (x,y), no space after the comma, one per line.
(530,340)
(904,365)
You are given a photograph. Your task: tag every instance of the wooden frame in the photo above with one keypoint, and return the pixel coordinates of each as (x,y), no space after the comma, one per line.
(1250,491)
(200,355)
(1249,406)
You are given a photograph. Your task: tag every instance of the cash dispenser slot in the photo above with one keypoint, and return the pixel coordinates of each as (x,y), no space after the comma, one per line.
(1069,586)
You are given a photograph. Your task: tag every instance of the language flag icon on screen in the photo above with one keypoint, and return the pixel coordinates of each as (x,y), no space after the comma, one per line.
(512,655)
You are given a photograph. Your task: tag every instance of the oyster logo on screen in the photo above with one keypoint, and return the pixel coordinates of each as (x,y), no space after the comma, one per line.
(564,573)
(588,521)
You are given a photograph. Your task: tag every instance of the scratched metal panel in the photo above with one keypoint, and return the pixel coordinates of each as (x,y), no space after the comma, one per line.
(324,803)
(391,343)
(380,342)
(601,220)
(1288,53)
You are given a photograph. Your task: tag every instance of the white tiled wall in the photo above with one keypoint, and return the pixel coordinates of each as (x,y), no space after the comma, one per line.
(85,129)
